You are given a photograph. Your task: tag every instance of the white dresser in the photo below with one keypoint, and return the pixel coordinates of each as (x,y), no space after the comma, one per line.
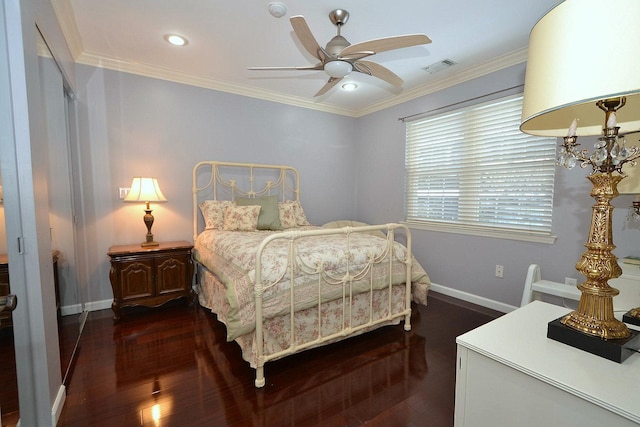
(629,286)
(510,374)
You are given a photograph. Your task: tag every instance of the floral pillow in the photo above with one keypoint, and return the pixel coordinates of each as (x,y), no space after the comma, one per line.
(302,218)
(213,213)
(292,214)
(241,218)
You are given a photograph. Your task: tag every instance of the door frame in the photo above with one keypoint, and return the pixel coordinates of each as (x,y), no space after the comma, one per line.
(40,390)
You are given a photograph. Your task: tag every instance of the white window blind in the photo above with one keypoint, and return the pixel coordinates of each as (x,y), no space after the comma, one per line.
(474,167)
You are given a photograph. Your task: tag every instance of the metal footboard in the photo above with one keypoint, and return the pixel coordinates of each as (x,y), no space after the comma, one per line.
(352,275)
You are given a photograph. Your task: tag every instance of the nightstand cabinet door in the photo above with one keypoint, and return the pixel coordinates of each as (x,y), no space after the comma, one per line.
(135,279)
(150,276)
(173,272)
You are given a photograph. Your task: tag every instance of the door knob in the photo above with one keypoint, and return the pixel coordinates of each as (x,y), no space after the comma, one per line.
(8,303)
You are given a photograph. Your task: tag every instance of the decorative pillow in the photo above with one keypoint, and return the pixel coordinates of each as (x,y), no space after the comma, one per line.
(292,214)
(213,213)
(301,217)
(241,218)
(287,212)
(269,218)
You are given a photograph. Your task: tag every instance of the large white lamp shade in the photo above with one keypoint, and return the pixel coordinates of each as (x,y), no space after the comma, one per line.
(580,52)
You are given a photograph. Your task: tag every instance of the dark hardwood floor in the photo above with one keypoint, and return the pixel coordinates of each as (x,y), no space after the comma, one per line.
(177,358)
(68,327)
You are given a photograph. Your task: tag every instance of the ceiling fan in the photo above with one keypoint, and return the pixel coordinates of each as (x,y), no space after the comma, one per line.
(339,57)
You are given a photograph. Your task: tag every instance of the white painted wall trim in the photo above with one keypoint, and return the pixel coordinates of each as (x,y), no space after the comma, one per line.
(474,299)
(67,310)
(98,305)
(445,290)
(58,404)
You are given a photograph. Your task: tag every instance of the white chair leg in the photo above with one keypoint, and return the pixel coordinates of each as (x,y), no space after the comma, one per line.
(533,275)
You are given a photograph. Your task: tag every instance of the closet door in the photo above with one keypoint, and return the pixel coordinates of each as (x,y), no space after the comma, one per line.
(61,203)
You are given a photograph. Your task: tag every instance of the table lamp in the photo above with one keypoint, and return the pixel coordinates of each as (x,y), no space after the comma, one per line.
(583,79)
(146,190)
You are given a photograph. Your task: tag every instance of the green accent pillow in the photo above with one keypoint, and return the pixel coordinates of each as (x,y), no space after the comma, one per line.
(269,218)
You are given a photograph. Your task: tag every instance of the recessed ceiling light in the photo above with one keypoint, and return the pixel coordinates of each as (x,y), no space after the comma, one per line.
(176,40)
(277,9)
(349,86)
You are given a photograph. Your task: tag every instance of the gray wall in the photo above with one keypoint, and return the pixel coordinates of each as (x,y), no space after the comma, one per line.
(467,263)
(131,126)
(351,168)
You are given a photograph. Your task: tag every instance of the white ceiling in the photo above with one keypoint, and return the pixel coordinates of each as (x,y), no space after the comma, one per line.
(226,37)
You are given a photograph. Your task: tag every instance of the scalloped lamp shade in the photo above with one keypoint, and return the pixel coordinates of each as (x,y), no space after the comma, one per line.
(580,52)
(145,190)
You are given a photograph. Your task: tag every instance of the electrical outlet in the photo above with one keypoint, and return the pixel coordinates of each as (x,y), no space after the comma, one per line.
(499,271)
(570,281)
(123,191)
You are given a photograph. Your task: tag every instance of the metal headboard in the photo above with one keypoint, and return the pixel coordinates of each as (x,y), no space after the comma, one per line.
(227,181)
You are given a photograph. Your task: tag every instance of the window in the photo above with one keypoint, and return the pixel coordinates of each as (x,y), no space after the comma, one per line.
(472,171)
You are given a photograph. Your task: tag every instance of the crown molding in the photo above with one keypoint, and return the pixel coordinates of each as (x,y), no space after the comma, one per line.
(100,61)
(470,73)
(64,14)
(496,64)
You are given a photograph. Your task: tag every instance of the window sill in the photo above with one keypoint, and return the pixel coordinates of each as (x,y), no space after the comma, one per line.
(496,233)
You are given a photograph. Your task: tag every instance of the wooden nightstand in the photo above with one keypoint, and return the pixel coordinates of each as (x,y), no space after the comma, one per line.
(150,276)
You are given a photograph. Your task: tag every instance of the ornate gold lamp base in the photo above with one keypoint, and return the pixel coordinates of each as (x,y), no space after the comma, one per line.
(593,326)
(632,317)
(616,350)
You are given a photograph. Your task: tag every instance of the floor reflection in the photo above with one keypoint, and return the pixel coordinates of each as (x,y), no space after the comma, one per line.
(68,336)
(156,362)
(8,379)
(359,375)
(172,366)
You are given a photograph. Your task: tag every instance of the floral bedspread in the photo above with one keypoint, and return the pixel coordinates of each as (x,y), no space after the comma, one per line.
(327,262)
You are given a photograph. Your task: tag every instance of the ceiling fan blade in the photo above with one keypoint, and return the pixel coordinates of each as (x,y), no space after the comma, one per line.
(387,43)
(305,36)
(331,83)
(304,67)
(376,70)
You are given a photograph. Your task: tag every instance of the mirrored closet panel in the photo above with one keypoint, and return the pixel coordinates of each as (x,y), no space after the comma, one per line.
(70,315)
(8,379)
(61,203)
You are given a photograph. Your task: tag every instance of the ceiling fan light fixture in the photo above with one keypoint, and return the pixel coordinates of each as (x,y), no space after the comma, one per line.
(338,69)
(176,40)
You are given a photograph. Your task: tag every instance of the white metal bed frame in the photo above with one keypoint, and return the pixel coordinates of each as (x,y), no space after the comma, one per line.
(287,183)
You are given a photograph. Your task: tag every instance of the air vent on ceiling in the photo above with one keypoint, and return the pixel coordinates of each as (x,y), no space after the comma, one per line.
(439,66)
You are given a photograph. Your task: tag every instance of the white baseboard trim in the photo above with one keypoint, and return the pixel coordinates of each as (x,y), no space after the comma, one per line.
(67,310)
(474,299)
(58,404)
(98,305)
